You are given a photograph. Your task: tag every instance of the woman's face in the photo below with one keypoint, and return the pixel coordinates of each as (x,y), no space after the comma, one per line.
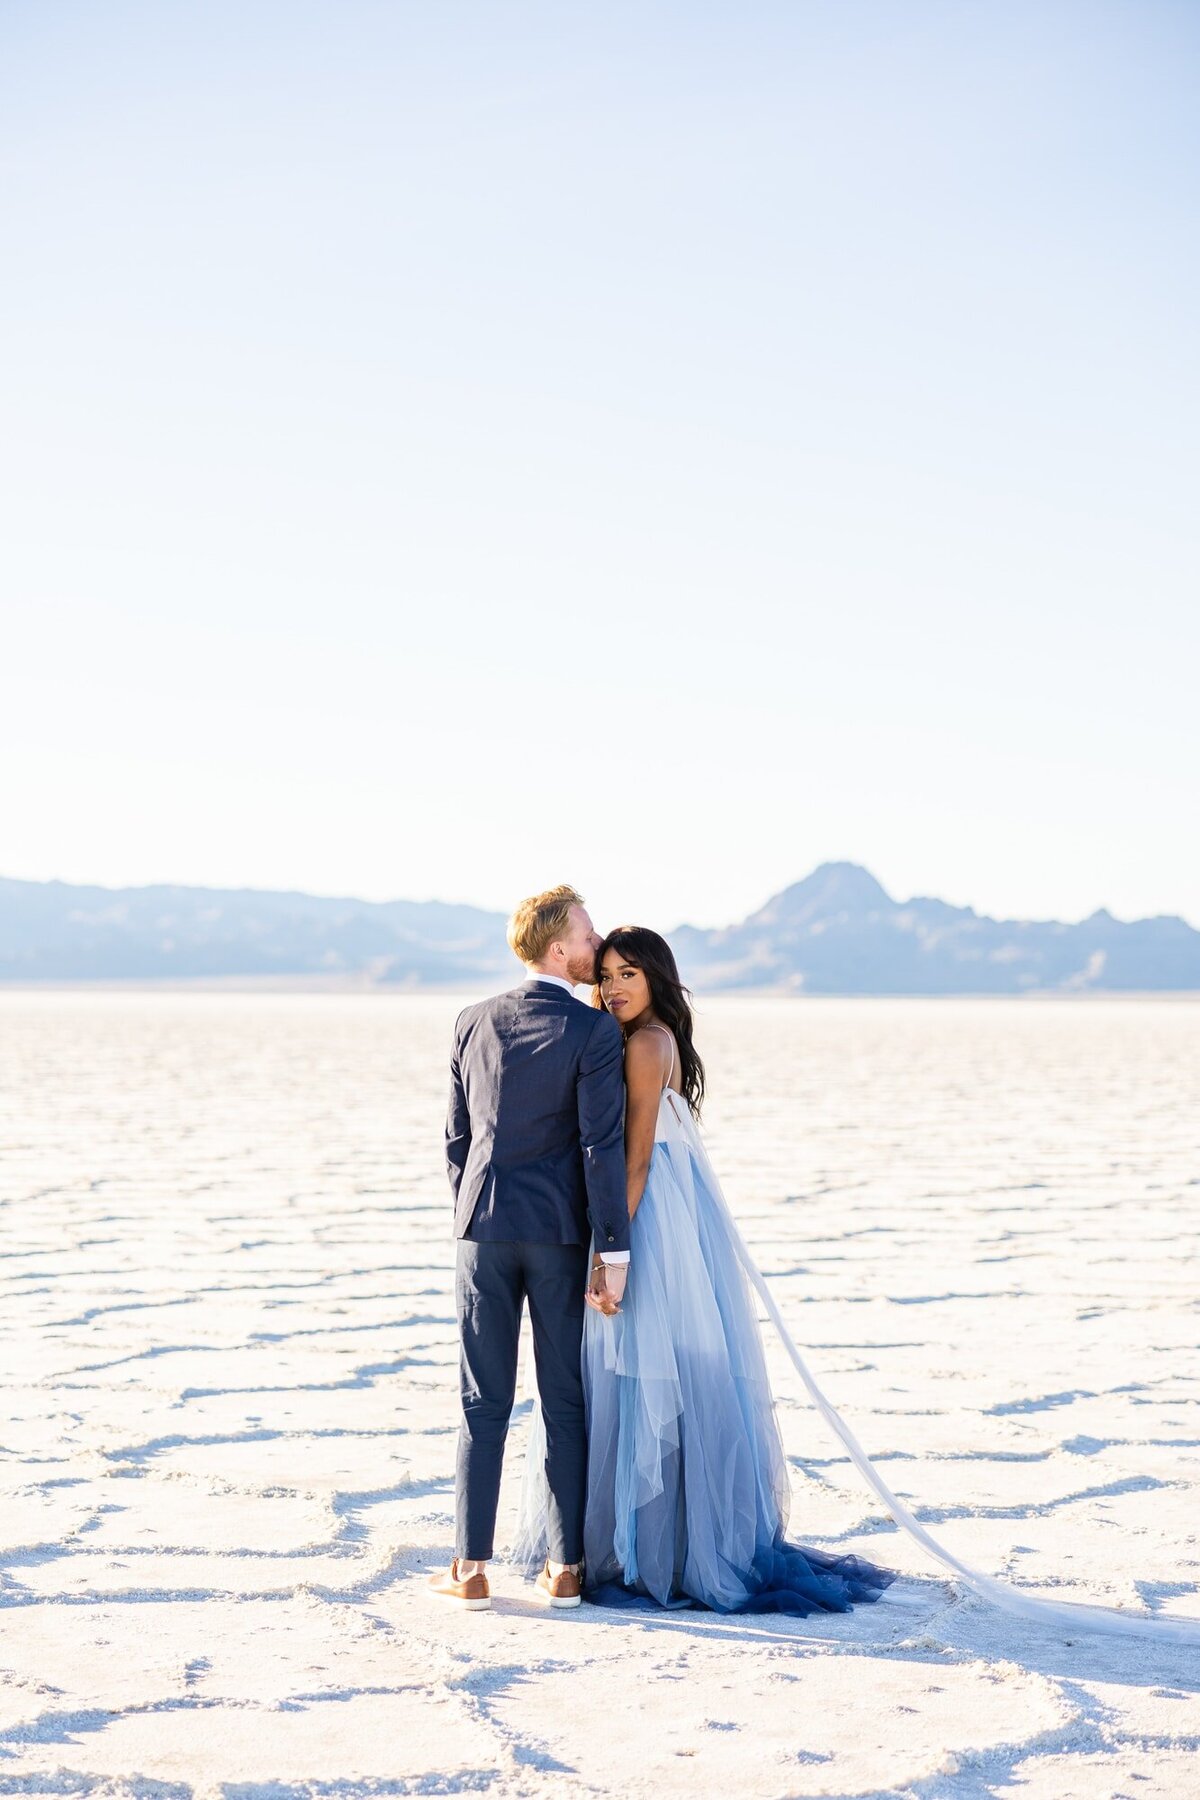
(623,988)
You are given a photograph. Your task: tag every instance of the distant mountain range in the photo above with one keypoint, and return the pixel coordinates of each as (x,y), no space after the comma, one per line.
(840,932)
(54,931)
(836,932)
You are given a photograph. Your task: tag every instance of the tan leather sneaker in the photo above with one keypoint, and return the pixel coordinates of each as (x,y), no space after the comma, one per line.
(558,1590)
(471,1595)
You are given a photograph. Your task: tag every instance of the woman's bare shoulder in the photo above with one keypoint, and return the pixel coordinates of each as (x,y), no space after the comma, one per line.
(648,1052)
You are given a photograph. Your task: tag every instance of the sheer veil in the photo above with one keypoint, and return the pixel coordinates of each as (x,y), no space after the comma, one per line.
(1072,1615)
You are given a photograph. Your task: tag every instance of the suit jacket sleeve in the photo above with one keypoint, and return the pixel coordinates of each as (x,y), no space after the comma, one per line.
(601,1094)
(458,1123)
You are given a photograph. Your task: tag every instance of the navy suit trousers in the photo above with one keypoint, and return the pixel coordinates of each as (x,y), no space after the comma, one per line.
(492,1281)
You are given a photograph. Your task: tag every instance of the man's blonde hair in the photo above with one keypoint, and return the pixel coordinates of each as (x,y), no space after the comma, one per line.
(539,920)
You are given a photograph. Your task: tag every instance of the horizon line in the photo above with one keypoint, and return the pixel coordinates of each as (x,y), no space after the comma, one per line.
(500,913)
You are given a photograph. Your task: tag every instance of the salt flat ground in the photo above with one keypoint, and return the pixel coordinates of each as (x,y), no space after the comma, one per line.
(229,1411)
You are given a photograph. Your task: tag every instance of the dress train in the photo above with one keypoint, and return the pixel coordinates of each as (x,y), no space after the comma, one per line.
(688,1490)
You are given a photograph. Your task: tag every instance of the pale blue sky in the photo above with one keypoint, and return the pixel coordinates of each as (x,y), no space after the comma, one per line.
(453,447)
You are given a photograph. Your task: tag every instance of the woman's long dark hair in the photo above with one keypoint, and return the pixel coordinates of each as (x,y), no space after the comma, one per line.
(671,1001)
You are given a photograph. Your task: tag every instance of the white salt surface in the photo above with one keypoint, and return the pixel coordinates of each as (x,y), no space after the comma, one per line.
(227,1446)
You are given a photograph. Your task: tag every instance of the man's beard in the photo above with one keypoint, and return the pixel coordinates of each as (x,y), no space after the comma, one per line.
(582,970)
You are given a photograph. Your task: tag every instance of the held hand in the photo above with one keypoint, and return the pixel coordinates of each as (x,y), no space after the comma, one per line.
(615,1275)
(600,1296)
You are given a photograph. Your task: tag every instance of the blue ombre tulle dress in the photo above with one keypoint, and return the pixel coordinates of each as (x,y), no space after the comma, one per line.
(688,1489)
(687,1485)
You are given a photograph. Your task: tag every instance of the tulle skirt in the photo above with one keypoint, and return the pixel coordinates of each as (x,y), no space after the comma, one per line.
(687,1485)
(688,1490)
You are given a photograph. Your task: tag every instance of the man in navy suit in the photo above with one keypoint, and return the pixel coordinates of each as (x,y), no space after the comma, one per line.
(535,1154)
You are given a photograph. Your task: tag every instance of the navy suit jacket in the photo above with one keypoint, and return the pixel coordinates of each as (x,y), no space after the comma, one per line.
(535,1135)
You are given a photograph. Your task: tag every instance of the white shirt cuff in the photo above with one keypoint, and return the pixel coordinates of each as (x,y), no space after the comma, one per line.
(614,1256)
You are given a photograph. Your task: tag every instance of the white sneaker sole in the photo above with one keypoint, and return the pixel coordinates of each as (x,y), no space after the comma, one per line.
(550,1600)
(462,1605)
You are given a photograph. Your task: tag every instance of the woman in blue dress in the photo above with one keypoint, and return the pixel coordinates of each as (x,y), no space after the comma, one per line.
(688,1487)
(687,1501)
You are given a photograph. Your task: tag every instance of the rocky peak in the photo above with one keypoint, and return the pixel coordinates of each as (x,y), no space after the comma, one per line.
(833,888)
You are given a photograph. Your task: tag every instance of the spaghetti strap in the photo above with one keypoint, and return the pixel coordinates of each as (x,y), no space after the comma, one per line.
(671,1066)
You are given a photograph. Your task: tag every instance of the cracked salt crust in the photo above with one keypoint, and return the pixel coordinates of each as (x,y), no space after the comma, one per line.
(226,1462)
